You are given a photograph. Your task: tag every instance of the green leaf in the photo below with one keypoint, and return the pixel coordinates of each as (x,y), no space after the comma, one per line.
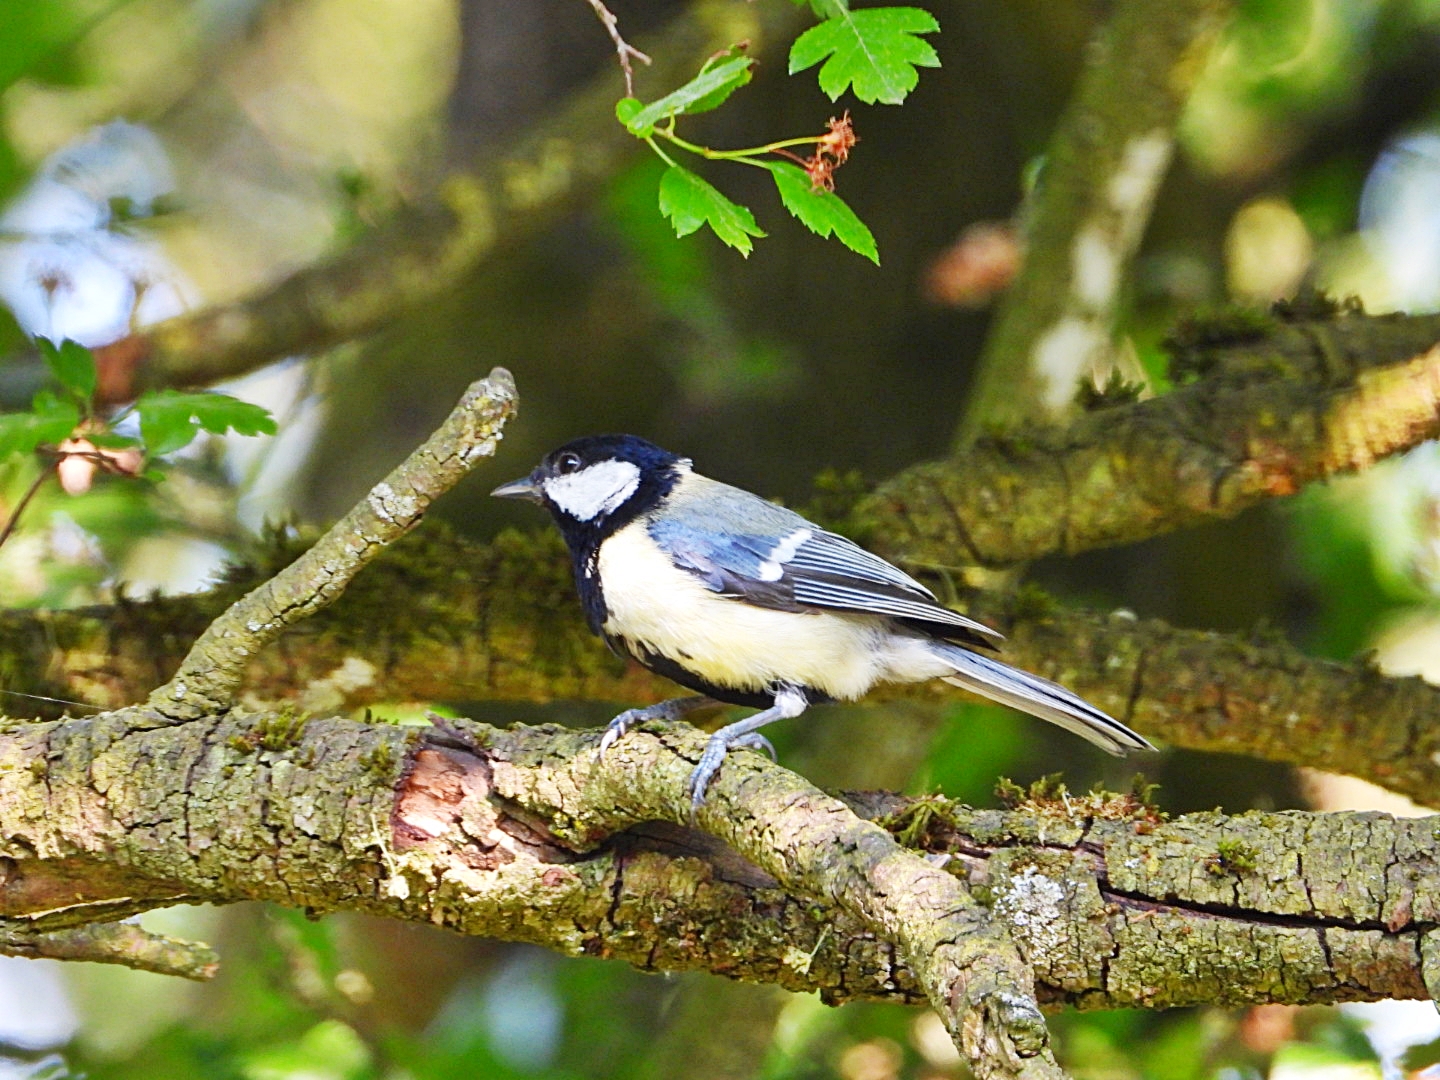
(875,50)
(170,419)
(826,9)
(72,364)
(49,420)
(106,440)
(822,212)
(625,110)
(712,86)
(689,202)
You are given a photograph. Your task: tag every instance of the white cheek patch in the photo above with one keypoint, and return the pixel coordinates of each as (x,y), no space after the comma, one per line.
(597,489)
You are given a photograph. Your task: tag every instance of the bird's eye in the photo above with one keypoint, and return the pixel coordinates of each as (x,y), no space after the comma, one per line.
(567,463)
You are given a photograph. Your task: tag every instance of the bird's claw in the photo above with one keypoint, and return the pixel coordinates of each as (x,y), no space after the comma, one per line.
(704,771)
(633,718)
(714,756)
(616,729)
(755,741)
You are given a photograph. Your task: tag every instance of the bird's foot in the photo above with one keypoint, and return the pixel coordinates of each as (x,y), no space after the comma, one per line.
(714,756)
(616,729)
(673,709)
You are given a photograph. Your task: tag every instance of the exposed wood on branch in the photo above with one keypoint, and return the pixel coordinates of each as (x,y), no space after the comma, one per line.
(526,838)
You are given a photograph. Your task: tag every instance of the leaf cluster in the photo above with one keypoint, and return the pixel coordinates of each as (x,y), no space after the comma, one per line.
(69,421)
(873,53)
(169,419)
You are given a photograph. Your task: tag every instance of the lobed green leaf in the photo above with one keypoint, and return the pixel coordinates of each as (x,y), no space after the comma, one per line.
(689,202)
(169,419)
(50,420)
(822,212)
(875,51)
(715,83)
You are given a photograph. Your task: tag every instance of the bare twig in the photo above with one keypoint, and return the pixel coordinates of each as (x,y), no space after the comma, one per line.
(114,943)
(623,49)
(212,671)
(25,499)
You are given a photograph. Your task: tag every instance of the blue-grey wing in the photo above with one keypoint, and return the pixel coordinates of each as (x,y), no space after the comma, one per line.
(739,545)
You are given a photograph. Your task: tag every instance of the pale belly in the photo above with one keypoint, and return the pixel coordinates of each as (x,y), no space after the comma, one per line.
(738,646)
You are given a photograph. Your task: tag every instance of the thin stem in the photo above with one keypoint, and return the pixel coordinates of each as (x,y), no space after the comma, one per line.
(10,525)
(737,155)
(663,156)
(623,48)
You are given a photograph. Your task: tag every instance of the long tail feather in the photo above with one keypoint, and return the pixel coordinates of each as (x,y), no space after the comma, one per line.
(1038,697)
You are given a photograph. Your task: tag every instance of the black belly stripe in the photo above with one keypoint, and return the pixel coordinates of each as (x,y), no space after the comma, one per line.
(677,672)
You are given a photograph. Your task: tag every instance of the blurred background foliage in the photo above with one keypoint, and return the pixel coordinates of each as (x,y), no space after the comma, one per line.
(160,155)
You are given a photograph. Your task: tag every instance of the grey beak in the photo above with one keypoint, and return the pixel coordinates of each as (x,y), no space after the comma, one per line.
(524,488)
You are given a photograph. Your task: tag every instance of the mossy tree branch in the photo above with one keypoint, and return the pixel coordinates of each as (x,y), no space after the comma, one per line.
(1102,170)
(524,837)
(327,814)
(124,944)
(1283,406)
(442,618)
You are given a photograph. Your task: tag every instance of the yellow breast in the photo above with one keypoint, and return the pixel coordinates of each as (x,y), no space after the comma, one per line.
(725,641)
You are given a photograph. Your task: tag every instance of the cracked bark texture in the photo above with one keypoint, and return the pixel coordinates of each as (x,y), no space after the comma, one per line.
(1283,407)
(522,836)
(307,814)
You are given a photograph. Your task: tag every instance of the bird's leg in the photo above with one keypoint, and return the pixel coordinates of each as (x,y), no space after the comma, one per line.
(673,709)
(789,702)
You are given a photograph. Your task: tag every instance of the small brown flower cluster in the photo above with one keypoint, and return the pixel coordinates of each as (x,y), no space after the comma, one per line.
(831,151)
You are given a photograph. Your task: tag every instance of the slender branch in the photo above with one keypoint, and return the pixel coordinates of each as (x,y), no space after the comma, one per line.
(214,668)
(24,502)
(521,838)
(114,943)
(427,249)
(1102,171)
(623,49)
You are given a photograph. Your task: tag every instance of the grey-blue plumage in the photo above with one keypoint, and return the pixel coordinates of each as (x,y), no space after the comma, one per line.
(744,547)
(988,677)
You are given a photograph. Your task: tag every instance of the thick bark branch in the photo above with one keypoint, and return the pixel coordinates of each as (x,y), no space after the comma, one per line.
(1296,403)
(330,814)
(1104,166)
(440,618)
(524,837)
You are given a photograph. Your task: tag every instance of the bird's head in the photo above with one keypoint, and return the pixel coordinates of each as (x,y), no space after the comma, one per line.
(599,483)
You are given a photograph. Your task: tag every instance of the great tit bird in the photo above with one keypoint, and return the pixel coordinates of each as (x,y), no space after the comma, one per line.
(748,603)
